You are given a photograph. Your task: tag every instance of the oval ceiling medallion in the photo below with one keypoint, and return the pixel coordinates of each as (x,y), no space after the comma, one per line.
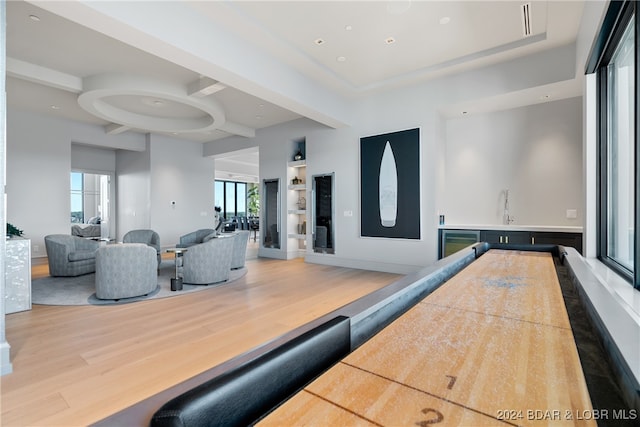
(103,96)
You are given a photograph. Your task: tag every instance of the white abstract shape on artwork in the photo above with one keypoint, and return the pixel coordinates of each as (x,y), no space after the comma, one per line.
(388,188)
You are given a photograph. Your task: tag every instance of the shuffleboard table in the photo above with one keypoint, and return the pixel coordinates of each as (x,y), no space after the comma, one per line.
(492,346)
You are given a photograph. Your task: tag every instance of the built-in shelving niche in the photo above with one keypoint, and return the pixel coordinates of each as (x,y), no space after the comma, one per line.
(297,198)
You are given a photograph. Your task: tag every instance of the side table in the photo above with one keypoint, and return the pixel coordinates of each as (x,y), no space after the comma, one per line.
(176,282)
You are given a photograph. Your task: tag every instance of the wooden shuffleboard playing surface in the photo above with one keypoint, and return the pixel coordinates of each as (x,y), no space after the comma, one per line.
(492,346)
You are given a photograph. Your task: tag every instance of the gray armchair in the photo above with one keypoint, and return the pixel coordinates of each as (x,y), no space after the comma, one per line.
(239,254)
(195,237)
(148,237)
(70,255)
(208,262)
(125,271)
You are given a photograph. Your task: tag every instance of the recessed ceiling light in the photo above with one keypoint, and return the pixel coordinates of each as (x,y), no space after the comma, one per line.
(341,58)
(34,18)
(348,27)
(444,20)
(390,40)
(55,107)
(154,102)
(318,41)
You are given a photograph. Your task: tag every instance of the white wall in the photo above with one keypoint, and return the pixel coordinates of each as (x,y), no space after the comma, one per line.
(275,145)
(534,151)
(5,362)
(133,189)
(93,159)
(337,150)
(419,106)
(168,170)
(38,167)
(589,160)
(39,160)
(590,26)
(180,173)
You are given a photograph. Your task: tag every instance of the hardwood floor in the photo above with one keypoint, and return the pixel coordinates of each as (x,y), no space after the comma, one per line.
(77,365)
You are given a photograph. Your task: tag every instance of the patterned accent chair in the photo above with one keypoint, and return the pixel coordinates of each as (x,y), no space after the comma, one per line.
(239,254)
(125,271)
(148,237)
(208,262)
(195,237)
(70,255)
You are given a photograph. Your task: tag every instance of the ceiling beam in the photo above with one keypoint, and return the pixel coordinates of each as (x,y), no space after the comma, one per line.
(204,87)
(114,128)
(209,49)
(237,129)
(42,75)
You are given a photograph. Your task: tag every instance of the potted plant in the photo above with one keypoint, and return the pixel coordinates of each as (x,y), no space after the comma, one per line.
(13,231)
(253,197)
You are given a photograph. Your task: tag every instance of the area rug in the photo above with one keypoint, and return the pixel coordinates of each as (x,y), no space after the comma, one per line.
(81,290)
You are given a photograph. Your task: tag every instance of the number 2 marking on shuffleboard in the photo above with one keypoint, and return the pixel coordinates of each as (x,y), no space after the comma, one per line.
(437,417)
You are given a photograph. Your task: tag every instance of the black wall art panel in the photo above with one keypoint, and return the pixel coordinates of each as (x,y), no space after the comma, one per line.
(390,185)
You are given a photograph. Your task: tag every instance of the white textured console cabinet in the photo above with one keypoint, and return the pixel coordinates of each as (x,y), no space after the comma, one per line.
(17,295)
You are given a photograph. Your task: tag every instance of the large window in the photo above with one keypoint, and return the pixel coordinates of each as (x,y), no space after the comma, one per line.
(77,197)
(614,60)
(620,147)
(231,196)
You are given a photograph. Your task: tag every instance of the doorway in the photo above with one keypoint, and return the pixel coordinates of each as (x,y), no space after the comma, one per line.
(91,209)
(323,212)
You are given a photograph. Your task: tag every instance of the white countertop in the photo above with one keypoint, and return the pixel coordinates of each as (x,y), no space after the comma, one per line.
(513,227)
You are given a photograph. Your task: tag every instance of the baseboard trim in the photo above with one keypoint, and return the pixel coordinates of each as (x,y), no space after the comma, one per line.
(361,264)
(272,253)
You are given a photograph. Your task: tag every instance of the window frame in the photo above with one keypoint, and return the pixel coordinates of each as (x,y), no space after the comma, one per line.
(616,20)
(235,198)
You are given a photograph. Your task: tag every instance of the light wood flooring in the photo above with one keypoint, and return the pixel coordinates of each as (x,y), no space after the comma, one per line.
(77,365)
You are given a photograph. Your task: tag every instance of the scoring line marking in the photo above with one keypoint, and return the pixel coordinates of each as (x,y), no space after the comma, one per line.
(343,408)
(495,315)
(431,394)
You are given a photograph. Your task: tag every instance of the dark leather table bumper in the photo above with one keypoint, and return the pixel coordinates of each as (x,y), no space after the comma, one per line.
(242,396)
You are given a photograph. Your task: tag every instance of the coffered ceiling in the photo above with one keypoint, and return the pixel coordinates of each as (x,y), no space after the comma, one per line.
(204,70)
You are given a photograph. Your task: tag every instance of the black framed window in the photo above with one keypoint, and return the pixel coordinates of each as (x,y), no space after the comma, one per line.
(614,59)
(231,197)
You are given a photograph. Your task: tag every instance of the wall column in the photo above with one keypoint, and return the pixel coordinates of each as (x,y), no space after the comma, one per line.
(5,348)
